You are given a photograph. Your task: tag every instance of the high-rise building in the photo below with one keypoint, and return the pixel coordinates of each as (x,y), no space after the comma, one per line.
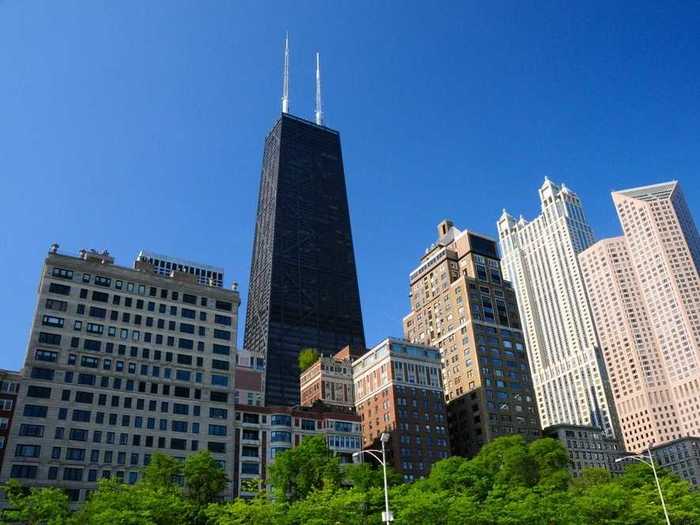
(461,305)
(165,265)
(9,385)
(121,363)
(303,283)
(398,390)
(644,289)
(330,379)
(540,258)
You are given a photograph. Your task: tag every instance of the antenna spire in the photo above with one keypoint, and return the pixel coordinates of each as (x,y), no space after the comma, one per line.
(319,103)
(285,77)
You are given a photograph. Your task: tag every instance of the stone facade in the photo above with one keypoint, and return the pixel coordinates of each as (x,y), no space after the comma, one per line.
(121,363)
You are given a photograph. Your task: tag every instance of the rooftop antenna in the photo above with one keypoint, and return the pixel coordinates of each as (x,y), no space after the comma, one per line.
(319,104)
(285,77)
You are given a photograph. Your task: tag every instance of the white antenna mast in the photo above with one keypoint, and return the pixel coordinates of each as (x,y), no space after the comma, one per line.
(285,78)
(319,104)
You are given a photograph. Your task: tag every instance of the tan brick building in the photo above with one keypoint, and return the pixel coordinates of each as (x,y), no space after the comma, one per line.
(461,305)
(330,379)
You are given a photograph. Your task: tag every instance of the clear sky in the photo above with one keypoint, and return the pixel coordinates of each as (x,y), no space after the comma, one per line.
(129,125)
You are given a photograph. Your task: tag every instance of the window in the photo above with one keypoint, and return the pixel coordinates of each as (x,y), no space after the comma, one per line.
(27,451)
(62,273)
(49,339)
(218,413)
(50,320)
(34,411)
(219,365)
(277,436)
(222,334)
(103,281)
(101,297)
(219,380)
(77,434)
(100,313)
(31,430)
(42,373)
(39,391)
(220,349)
(217,430)
(75,454)
(46,355)
(23,471)
(60,289)
(90,362)
(72,474)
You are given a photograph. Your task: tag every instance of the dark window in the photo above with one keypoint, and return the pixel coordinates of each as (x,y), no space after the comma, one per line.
(100,296)
(219,365)
(222,334)
(187,344)
(83,397)
(221,349)
(42,373)
(23,471)
(100,313)
(103,281)
(39,391)
(181,391)
(186,312)
(92,344)
(49,339)
(178,444)
(222,319)
(184,359)
(215,446)
(31,430)
(35,411)
(189,299)
(224,305)
(219,397)
(61,289)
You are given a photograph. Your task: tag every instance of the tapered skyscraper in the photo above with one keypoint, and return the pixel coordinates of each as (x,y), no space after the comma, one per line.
(303,283)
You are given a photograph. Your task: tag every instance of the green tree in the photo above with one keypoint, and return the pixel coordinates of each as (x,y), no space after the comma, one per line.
(116,503)
(36,506)
(163,471)
(204,478)
(260,510)
(297,471)
(307,357)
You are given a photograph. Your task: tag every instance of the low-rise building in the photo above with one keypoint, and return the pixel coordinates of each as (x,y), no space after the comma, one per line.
(681,456)
(398,390)
(9,384)
(260,433)
(249,379)
(588,447)
(330,379)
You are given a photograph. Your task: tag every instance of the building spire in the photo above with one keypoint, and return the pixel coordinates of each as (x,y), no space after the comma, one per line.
(285,76)
(319,103)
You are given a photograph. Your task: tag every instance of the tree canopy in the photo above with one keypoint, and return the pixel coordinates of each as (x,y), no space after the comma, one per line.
(510,482)
(307,357)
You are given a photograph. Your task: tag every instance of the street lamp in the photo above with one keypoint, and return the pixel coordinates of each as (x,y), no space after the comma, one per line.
(650,462)
(387,516)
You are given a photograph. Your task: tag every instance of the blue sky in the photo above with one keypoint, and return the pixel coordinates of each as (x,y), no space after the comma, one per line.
(130,125)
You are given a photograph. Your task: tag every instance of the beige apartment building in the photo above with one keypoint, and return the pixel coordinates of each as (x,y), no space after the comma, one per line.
(461,305)
(644,291)
(121,363)
(330,379)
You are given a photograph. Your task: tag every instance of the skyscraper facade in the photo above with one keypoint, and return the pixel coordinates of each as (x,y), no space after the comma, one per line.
(303,282)
(121,363)
(461,305)
(645,295)
(541,259)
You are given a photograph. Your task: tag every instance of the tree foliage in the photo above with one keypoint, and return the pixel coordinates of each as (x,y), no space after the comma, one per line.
(307,357)
(510,482)
(298,471)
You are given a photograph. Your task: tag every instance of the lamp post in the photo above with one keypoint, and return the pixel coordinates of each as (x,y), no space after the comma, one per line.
(387,516)
(650,462)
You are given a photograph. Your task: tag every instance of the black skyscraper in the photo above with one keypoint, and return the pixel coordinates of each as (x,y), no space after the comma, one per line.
(303,283)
